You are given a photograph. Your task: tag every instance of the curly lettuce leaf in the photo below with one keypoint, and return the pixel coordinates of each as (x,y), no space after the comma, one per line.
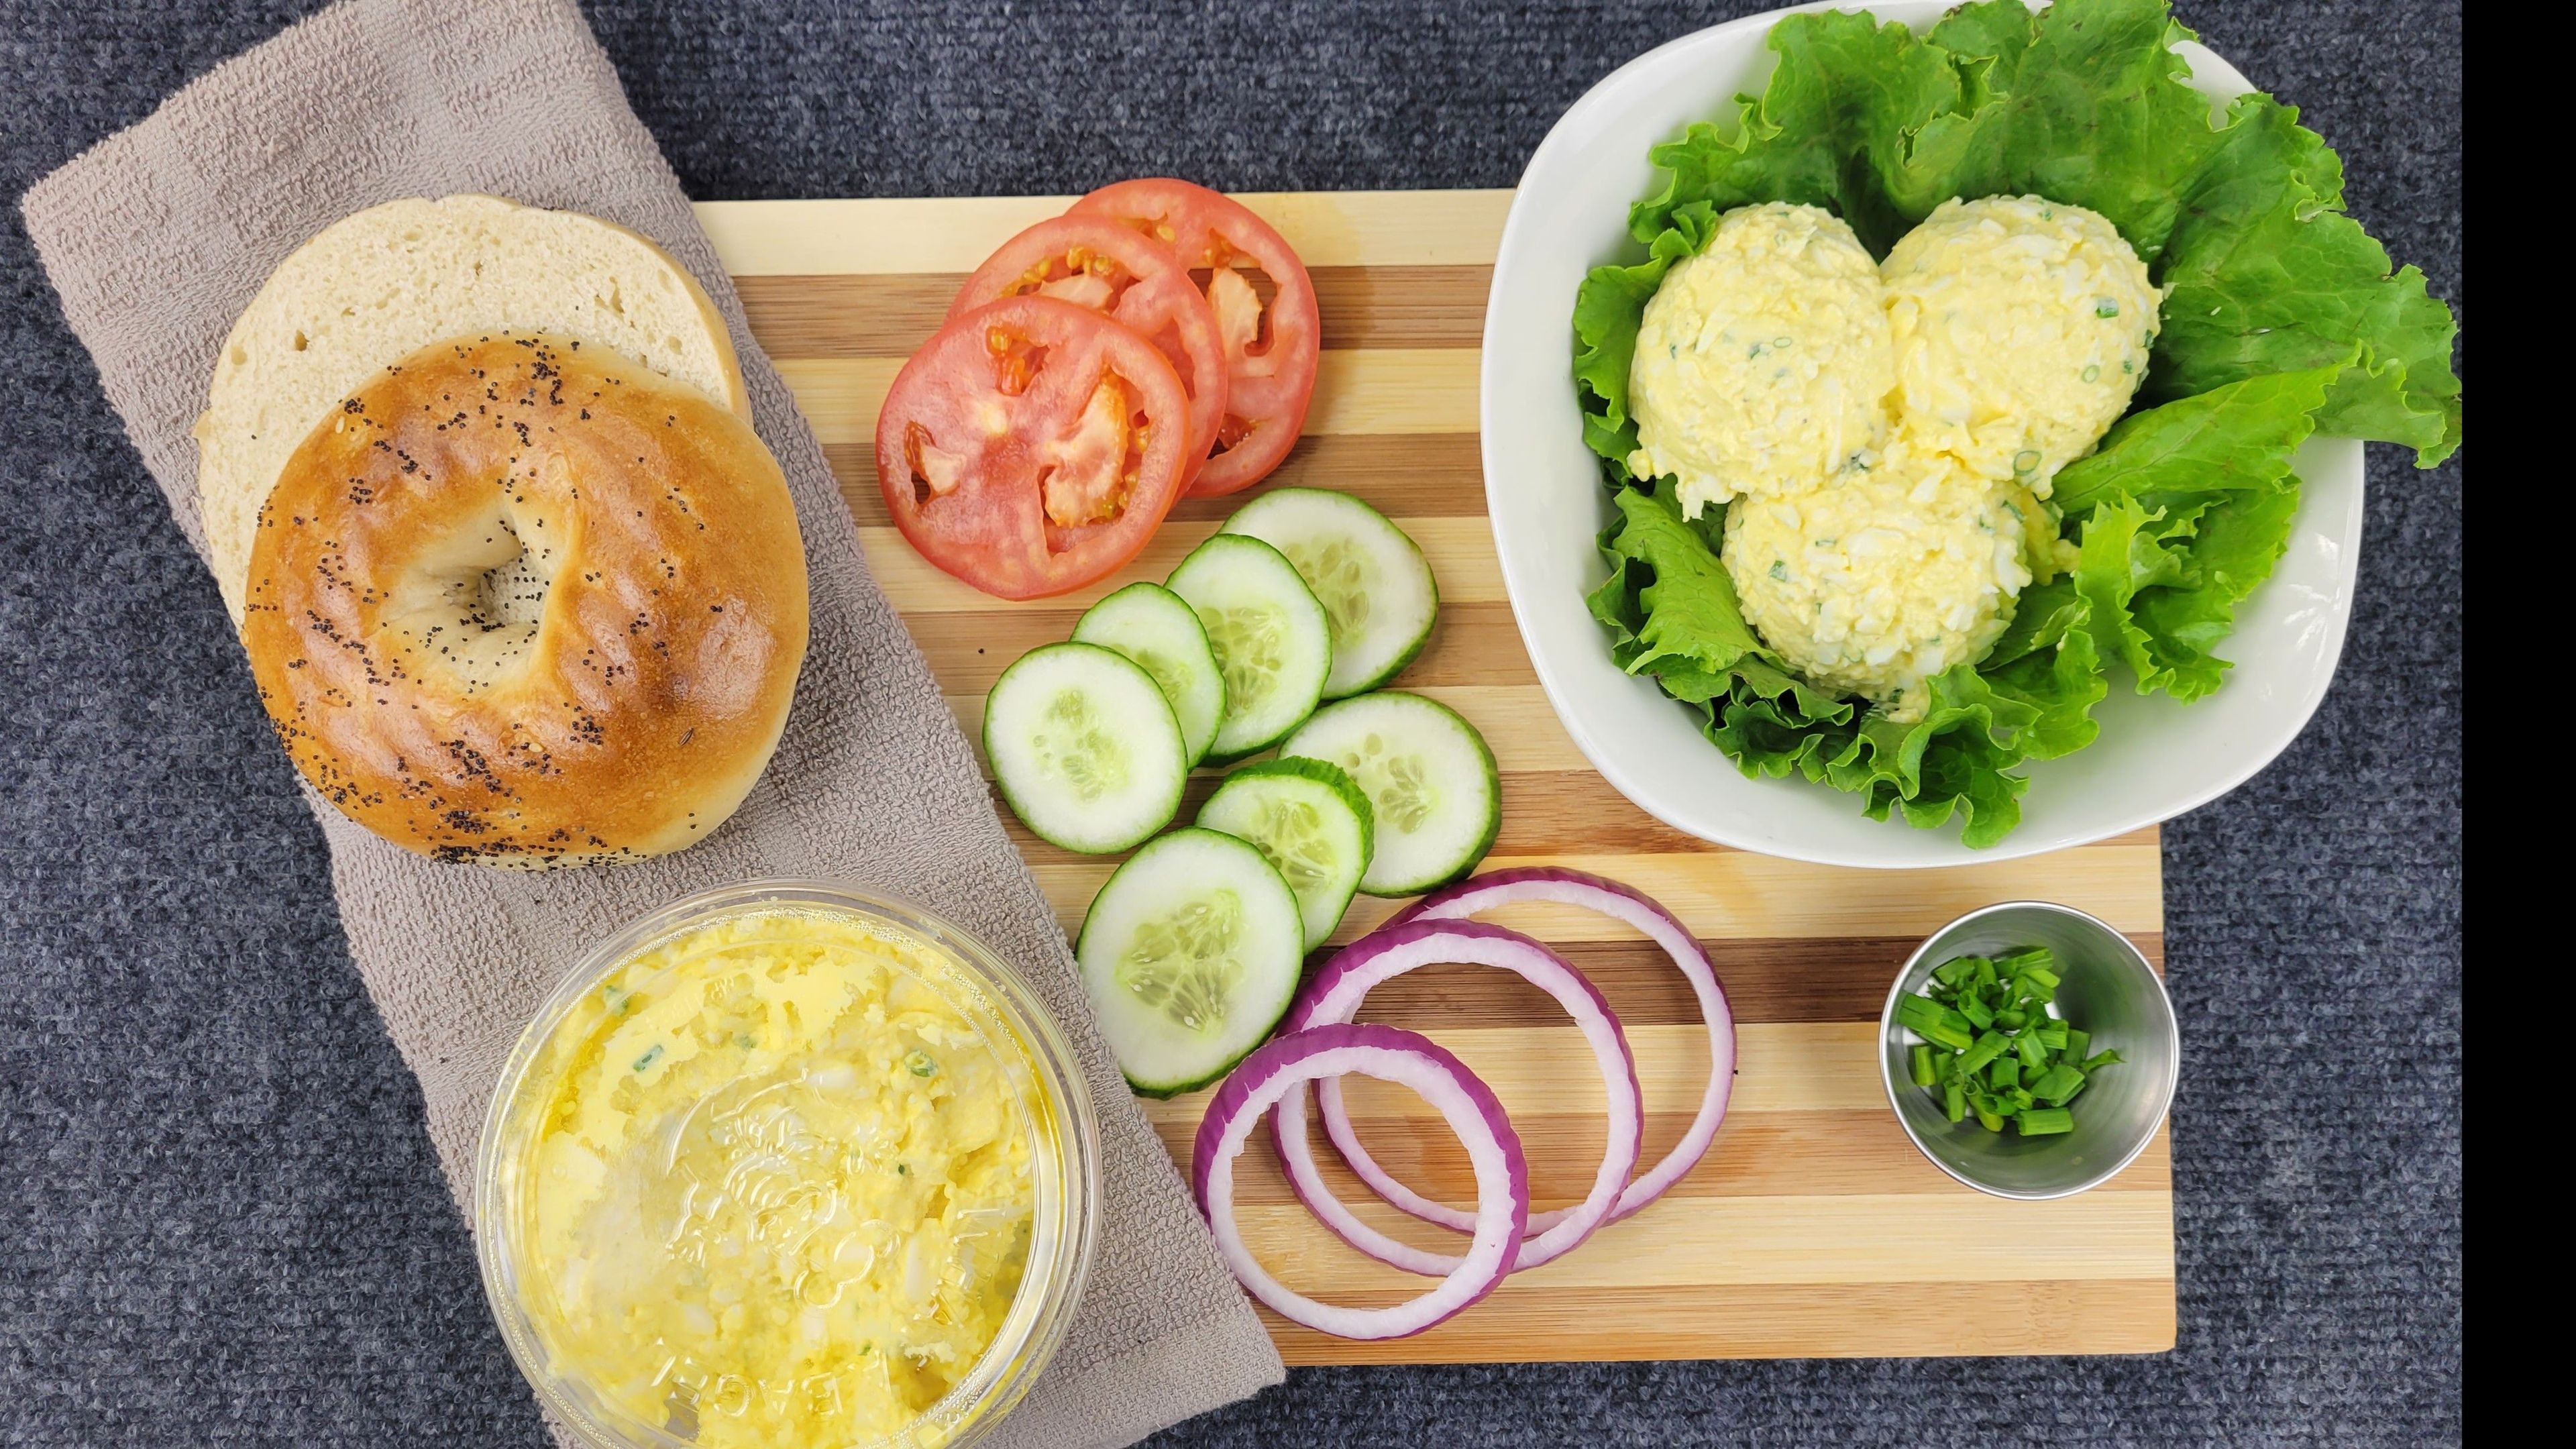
(2284,318)
(1673,615)
(1830,130)
(2266,274)
(2183,511)
(1608,309)
(2236,437)
(2092,108)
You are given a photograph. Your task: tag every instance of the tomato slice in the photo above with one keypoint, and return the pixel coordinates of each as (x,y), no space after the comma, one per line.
(1094,262)
(1270,350)
(1032,445)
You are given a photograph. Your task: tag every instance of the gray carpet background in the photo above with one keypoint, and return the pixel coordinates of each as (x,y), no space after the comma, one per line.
(220,1223)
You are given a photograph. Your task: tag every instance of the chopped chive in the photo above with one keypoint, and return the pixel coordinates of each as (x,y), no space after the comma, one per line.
(2057,1084)
(1988,1047)
(1934,1023)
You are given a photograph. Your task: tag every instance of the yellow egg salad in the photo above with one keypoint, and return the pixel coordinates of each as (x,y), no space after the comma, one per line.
(2022,329)
(1885,451)
(1885,579)
(1762,363)
(779,1188)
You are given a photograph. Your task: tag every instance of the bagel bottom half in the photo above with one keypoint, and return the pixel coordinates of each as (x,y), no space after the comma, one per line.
(516,604)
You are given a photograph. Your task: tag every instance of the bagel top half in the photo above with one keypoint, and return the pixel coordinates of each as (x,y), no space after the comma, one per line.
(522,604)
(382,282)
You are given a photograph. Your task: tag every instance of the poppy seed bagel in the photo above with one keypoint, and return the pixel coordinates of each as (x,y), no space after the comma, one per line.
(520,603)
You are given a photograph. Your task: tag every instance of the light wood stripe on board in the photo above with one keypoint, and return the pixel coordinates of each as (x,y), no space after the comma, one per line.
(890,315)
(1820,1238)
(952,234)
(1757,1154)
(1738,893)
(1475,645)
(1389,390)
(1781,1066)
(1461,557)
(1545,1322)
(1402,475)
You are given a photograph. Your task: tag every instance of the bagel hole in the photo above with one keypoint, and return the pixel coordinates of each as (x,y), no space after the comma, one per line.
(474,603)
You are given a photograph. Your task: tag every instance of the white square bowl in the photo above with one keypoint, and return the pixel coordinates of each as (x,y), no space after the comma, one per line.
(2155,759)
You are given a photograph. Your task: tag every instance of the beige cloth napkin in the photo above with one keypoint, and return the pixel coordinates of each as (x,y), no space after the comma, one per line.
(159,235)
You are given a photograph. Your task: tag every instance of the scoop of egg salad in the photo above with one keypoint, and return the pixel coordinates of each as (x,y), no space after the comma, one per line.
(780,1193)
(1889,573)
(2022,329)
(1885,453)
(1763,361)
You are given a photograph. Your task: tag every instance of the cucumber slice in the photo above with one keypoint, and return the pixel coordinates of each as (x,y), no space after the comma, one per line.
(1308,819)
(1431,783)
(1153,626)
(1191,955)
(1271,639)
(1085,747)
(1376,590)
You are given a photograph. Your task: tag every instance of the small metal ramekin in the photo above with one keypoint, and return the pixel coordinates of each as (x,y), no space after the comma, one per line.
(2107,989)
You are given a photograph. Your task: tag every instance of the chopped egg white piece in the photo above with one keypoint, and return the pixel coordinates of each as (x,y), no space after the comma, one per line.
(1762,362)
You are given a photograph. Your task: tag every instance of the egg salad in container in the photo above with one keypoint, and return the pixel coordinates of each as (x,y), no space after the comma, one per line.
(787,1166)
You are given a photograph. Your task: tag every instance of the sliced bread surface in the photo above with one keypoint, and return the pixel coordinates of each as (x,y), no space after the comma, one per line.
(384,282)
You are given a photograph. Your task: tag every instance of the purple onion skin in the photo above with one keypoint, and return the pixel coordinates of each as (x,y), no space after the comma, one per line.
(1473,885)
(1357,956)
(1522,874)
(1399,933)
(1289,1048)
(1499,883)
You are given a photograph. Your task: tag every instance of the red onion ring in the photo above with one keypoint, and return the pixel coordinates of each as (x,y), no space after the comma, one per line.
(1620,903)
(1335,996)
(1392,1055)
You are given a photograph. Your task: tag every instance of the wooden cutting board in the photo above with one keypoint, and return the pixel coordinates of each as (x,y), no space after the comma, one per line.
(1812,1227)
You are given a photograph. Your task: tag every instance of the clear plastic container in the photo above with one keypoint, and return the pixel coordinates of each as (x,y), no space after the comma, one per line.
(1043,1084)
